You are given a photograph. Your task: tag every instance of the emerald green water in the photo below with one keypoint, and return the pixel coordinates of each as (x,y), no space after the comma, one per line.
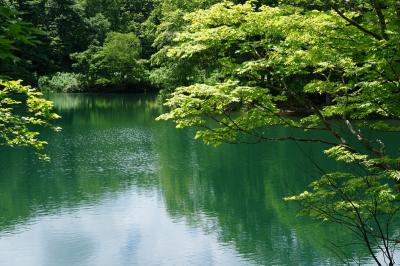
(122,189)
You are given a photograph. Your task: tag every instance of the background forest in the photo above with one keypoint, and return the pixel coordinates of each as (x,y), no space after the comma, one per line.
(95,45)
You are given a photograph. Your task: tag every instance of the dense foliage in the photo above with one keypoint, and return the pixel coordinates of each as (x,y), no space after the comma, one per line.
(22,111)
(116,63)
(101,40)
(15,36)
(338,63)
(61,82)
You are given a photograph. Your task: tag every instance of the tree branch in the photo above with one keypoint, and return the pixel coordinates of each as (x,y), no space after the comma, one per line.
(381,18)
(355,23)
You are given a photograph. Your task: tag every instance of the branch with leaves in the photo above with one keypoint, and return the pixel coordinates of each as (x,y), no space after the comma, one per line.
(22,111)
(266,59)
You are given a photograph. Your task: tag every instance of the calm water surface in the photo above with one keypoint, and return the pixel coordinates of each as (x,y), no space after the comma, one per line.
(122,189)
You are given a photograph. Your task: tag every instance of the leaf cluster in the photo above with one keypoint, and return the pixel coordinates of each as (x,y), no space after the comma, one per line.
(22,112)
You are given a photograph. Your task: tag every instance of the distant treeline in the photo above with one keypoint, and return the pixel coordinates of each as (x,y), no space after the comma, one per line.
(95,45)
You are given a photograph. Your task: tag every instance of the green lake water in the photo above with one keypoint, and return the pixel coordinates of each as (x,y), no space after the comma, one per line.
(123,189)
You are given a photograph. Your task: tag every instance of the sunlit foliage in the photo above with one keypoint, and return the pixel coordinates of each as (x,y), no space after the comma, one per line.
(337,63)
(22,112)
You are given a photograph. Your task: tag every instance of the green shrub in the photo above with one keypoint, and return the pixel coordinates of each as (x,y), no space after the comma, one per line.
(62,82)
(115,64)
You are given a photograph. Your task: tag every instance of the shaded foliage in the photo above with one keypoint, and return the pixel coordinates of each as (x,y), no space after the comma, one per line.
(115,64)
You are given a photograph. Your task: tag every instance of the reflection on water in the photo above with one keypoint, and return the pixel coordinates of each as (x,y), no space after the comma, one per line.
(122,189)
